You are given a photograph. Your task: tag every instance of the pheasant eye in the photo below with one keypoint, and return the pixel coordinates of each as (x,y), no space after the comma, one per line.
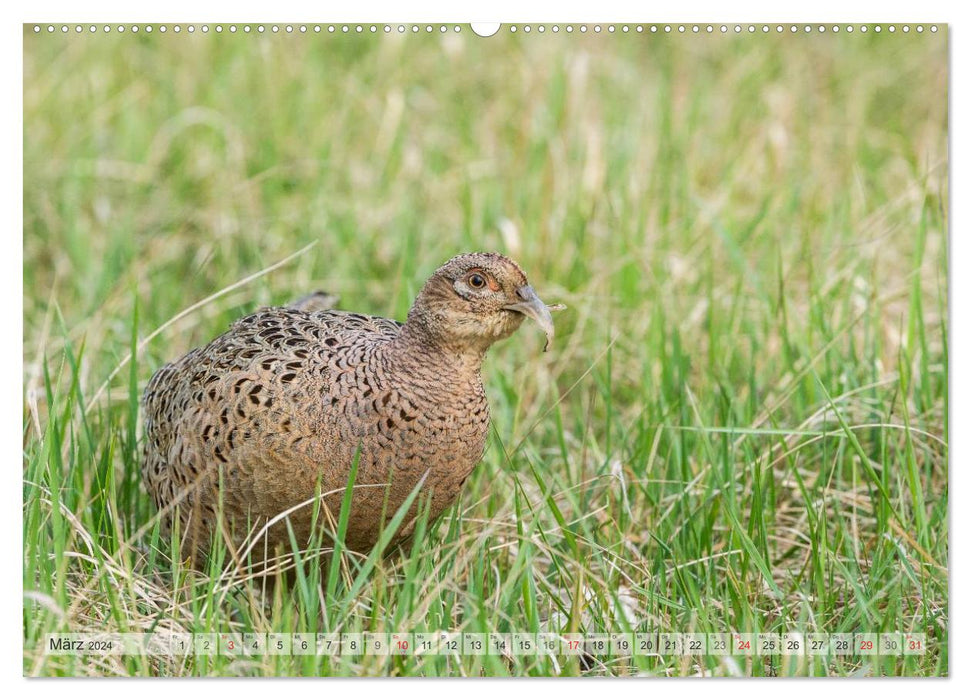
(476,281)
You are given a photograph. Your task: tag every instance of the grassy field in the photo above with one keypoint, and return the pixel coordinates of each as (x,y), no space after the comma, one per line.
(742,423)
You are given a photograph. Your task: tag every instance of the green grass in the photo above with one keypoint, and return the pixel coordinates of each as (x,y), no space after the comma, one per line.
(742,422)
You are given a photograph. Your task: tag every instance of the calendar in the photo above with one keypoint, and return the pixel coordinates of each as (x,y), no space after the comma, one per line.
(613,644)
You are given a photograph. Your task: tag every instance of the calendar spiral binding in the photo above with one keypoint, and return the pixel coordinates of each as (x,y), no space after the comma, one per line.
(365,29)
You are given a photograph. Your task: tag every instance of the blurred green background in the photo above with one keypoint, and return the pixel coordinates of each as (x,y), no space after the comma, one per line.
(742,421)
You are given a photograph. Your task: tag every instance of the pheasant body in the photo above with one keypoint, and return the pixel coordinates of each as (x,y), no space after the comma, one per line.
(276,410)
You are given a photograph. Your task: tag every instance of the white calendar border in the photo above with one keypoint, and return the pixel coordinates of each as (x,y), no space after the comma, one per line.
(568,10)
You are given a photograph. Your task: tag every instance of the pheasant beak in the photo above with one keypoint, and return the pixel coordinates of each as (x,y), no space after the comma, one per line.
(533,307)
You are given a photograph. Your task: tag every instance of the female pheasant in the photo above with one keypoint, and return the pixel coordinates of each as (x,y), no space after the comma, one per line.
(274,412)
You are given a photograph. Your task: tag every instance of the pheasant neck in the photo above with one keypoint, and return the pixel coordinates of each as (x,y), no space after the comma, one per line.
(419,349)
